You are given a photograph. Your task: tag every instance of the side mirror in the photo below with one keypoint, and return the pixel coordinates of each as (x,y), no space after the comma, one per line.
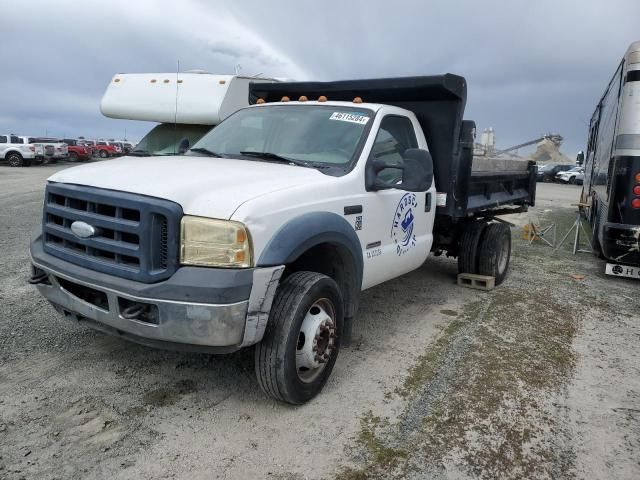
(373,179)
(415,172)
(183,147)
(418,170)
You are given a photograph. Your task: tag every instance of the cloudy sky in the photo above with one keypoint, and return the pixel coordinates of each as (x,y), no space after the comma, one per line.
(532,66)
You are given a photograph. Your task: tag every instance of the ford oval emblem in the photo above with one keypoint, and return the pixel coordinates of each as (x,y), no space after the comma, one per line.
(83,229)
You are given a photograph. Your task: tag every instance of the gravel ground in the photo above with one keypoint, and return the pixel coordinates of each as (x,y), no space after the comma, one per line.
(538,379)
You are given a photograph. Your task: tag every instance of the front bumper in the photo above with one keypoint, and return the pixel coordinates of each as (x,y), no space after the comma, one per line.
(179,313)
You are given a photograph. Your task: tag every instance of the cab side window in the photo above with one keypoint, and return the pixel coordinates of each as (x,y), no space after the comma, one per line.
(395,135)
(3,139)
(15,139)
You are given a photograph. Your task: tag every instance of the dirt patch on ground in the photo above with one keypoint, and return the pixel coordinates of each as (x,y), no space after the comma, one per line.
(491,397)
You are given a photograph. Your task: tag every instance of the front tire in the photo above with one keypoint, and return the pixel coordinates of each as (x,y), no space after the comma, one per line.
(73,157)
(103,154)
(302,340)
(572,180)
(494,251)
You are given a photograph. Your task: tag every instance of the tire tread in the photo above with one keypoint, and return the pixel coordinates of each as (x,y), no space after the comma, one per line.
(488,251)
(288,298)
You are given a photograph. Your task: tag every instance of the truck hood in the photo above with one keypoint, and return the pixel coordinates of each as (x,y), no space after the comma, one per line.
(204,186)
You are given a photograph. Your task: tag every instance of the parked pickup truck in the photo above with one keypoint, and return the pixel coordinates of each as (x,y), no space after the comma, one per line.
(16,150)
(78,151)
(104,149)
(266,231)
(49,150)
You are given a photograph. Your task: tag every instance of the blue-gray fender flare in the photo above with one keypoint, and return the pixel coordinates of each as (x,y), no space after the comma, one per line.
(308,230)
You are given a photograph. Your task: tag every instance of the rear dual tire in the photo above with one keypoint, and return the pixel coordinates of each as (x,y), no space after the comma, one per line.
(306,320)
(485,249)
(494,251)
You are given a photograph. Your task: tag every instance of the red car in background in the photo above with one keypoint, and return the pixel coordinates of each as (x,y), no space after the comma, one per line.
(103,149)
(78,151)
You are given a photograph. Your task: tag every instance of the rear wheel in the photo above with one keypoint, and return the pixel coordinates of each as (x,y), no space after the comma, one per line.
(467,255)
(494,251)
(15,160)
(73,157)
(103,154)
(302,340)
(572,180)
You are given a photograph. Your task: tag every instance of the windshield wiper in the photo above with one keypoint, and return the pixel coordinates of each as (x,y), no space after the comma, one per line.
(276,158)
(206,151)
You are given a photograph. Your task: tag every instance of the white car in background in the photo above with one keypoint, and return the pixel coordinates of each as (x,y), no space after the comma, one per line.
(16,151)
(570,176)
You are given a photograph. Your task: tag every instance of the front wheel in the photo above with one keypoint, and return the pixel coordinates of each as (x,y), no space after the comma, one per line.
(73,157)
(572,180)
(302,340)
(103,154)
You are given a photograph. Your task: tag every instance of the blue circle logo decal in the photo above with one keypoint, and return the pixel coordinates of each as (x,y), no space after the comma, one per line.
(402,228)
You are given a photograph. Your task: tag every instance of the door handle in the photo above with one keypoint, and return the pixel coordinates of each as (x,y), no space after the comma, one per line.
(427,203)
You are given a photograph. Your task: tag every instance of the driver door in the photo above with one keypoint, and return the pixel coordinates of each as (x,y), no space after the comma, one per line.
(400,238)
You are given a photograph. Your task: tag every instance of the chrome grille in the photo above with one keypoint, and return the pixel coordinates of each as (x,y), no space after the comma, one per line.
(135,237)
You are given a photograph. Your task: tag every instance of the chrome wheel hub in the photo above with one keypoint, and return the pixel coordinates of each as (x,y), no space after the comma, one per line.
(316,340)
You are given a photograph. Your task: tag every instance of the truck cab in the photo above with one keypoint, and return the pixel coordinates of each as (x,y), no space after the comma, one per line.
(266,231)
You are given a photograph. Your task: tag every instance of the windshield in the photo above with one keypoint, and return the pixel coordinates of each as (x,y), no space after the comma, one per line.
(165,139)
(316,135)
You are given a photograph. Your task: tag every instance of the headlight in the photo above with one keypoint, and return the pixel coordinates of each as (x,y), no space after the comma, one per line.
(214,243)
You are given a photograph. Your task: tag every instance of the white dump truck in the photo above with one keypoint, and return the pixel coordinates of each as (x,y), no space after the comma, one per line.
(265,232)
(186,105)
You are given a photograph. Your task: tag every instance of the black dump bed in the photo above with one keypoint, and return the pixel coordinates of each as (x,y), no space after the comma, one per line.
(438,102)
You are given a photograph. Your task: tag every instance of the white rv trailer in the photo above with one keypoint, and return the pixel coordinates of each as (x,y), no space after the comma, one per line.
(186,105)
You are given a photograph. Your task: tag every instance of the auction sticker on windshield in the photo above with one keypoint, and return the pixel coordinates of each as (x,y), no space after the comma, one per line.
(350,117)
